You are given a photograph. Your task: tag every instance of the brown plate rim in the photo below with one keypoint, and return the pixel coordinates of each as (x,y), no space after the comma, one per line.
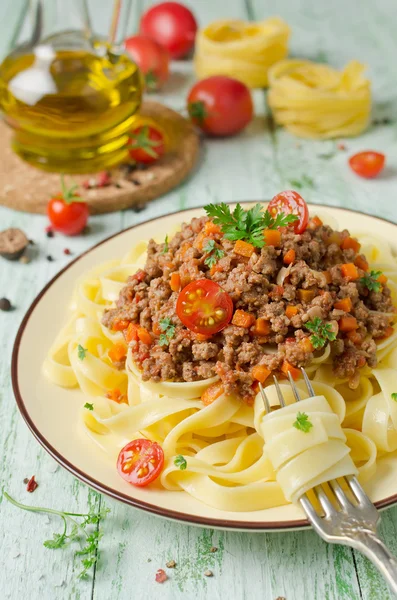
(104,489)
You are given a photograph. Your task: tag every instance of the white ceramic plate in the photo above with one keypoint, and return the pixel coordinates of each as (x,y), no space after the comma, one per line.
(52,413)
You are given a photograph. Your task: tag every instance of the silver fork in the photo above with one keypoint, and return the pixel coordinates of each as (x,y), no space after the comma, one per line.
(351,522)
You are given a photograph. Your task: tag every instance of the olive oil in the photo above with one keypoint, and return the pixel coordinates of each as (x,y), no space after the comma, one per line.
(70,109)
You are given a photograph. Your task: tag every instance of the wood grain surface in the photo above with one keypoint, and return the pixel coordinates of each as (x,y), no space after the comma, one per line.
(254,165)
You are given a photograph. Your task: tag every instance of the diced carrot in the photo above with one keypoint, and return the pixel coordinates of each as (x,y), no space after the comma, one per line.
(349,271)
(216,269)
(389,331)
(382,279)
(272,237)
(355,337)
(361,263)
(286,368)
(350,243)
(175,282)
(212,393)
(118,352)
(306,345)
(169,265)
(291,311)
(144,336)
(334,238)
(156,328)
(132,332)
(260,373)
(344,304)
(278,290)
(116,396)
(328,276)
(315,222)
(243,319)
(362,361)
(139,275)
(305,295)
(211,229)
(120,325)
(199,241)
(262,327)
(347,323)
(244,248)
(289,256)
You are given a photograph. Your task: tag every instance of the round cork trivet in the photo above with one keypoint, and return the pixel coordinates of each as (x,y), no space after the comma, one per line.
(26,188)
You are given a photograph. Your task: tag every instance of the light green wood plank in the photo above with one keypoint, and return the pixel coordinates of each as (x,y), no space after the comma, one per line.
(11,18)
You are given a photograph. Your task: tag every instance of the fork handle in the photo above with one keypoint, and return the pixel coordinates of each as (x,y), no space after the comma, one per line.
(374,549)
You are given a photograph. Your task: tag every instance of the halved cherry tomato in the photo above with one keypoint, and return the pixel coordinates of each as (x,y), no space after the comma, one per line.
(140,462)
(367,164)
(204,307)
(290,202)
(146,144)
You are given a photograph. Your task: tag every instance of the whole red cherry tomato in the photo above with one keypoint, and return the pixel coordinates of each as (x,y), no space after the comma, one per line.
(67,212)
(204,307)
(140,462)
(152,59)
(290,202)
(172,25)
(220,105)
(367,164)
(146,144)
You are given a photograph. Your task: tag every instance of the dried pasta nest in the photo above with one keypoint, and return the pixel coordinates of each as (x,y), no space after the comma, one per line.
(241,49)
(317,101)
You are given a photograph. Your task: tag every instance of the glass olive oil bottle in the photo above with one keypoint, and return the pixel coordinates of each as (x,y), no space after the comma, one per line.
(69,97)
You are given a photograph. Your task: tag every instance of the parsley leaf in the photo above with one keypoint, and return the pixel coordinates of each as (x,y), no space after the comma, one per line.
(370,281)
(167,326)
(322,332)
(73,531)
(302,422)
(166,248)
(394,396)
(214,252)
(246,225)
(81,352)
(180,461)
(89,406)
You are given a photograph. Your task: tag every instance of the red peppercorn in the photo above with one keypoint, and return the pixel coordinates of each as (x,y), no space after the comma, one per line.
(161,576)
(32,485)
(67,251)
(103,179)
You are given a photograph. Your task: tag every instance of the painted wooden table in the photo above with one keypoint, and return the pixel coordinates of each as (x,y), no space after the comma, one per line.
(254,165)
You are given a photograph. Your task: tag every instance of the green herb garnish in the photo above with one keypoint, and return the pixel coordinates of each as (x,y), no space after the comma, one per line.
(165,249)
(73,531)
(370,281)
(304,181)
(214,252)
(151,80)
(322,332)
(394,396)
(89,406)
(180,461)
(139,139)
(81,352)
(302,422)
(246,225)
(167,326)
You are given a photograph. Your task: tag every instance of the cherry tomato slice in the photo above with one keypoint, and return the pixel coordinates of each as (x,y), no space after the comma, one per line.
(367,164)
(140,462)
(290,202)
(204,307)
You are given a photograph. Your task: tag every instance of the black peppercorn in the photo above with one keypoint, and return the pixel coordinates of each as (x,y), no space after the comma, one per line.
(5,304)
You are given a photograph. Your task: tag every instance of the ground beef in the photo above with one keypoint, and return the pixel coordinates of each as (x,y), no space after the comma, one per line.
(307,293)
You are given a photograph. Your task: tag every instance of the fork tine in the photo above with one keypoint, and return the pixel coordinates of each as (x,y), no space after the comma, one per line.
(325,502)
(279,392)
(340,495)
(311,512)
(358,491)
(308,383)
(294,388)
(264,398)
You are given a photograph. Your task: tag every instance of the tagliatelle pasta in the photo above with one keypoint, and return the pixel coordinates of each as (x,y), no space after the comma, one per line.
(237,458)
(241,49)
(317,101)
